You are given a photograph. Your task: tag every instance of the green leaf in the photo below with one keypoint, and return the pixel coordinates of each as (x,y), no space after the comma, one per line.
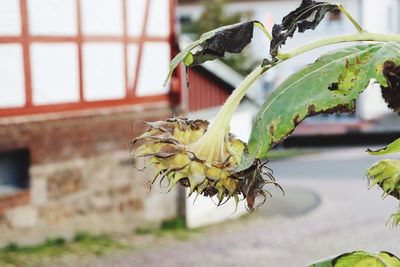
(394,147)
(331,84)
(395,218)
(386,174)
(360,259)
(231,38)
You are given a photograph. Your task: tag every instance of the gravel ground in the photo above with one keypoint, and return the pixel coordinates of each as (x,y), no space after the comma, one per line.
(317,218)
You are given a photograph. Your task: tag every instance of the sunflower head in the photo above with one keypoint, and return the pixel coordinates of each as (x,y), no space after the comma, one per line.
(172,146)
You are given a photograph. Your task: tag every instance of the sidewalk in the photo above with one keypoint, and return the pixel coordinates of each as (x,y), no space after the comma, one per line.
(317,218)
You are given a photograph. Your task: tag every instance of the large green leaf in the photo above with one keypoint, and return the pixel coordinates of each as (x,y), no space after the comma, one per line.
(360,259)
(329,85)
(393,147)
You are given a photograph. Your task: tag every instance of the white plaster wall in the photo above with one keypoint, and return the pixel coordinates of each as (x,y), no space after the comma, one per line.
(102,17)
(10,21)
(153,69)
(381,16)
(52,17)
(103,71)
(12,82)
(158,21)
(133,50)
(135,10)
(55,73)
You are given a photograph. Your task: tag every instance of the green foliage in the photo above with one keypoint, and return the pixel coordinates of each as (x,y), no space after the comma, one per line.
(393,147)
(175,228)
(54,248)
(386,174)
(59,241)
(329,85)
(360,259)
(395,218)
(173,224)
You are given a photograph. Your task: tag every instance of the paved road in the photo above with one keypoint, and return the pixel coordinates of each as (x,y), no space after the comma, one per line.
(327,210)
(342,163)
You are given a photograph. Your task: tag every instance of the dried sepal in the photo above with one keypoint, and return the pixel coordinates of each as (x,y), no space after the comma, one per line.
(253,180)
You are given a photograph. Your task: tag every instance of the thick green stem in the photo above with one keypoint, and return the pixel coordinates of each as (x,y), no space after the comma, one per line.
(211,147)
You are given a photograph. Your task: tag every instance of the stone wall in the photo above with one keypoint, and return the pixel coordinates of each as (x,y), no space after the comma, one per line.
(82,178)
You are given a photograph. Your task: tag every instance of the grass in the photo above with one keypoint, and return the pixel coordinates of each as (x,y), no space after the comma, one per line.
(56,248)
(84,245)
(175,228)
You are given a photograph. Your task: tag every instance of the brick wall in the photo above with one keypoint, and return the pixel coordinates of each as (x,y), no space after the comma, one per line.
(64,138)
(81,171)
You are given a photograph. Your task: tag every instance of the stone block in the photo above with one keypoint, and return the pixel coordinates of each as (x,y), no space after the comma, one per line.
(101,202)
(39,191)
(63,182)
(22,217)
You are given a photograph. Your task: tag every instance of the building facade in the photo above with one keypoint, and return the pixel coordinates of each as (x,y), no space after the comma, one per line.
(76,79)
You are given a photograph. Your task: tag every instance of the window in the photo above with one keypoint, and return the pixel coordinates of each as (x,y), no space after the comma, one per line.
(14,171)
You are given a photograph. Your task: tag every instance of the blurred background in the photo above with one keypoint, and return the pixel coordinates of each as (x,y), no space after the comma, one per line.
(79,77)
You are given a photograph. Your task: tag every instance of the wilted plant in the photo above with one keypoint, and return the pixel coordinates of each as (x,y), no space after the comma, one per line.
(210,161)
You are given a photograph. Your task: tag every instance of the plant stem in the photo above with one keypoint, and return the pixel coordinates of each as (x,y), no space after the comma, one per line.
(210,146)
(350,17)
(374,37)
(264,30)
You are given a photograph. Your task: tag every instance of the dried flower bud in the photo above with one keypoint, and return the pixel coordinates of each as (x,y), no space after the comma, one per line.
(168,145)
